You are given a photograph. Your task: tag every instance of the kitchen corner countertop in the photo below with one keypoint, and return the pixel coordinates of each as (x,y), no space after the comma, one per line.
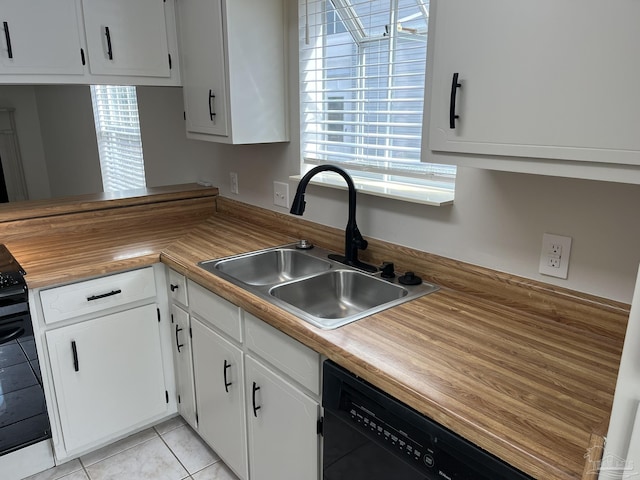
(524,387)
(527,389)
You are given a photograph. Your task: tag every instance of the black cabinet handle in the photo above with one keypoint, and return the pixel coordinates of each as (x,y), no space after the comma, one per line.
(178,344)
(452,103)
(227,384)
(103,295)
(212,114)
(7,37)
(76,365)
(109,48)
(173,287)
(253,399)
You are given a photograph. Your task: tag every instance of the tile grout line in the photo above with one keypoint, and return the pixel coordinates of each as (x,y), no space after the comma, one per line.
(86,472)
(190,476)
(174,453)
(115,454)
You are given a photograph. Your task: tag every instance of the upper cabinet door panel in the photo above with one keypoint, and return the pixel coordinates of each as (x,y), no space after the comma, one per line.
(39,37)
(204,66)
(542,79)
(126,37)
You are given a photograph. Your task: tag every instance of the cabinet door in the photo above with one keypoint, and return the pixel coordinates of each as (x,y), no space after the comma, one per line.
(126,38)
(218,367)
(539,79)
(183,364)
(39,37)
(203,66)
(283,440)
(107,375)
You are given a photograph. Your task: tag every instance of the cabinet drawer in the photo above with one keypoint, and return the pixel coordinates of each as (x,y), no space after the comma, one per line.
(288,355)
(216,311)
(68,301)
(178,288)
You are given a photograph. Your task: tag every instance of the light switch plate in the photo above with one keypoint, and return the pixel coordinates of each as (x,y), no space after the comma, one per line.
(554,256)
(281,194)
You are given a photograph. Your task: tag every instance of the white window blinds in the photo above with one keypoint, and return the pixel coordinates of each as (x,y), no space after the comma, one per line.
(362,73)
(115,110)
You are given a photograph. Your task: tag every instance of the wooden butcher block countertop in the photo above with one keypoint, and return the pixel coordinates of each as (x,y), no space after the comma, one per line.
(523,370)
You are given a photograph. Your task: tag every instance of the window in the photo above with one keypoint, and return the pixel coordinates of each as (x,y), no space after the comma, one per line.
(362,73)
(115,110)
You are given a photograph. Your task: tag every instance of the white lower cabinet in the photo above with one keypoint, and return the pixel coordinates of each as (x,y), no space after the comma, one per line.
(257,392)
(282,420)
(219,368)
(180,329)
(108,375)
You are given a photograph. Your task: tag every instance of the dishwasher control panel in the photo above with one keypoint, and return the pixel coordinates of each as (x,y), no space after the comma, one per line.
(419,452)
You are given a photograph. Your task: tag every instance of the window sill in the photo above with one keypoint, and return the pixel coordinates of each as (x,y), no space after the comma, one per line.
(436,197)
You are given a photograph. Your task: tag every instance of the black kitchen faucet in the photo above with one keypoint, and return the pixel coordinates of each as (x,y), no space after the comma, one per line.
(353,240)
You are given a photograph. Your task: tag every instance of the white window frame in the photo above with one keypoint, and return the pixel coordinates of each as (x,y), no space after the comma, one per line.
(413,181)
(115,111)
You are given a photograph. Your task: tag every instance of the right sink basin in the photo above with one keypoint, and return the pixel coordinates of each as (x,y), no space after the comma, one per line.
(317,289)
(331,297)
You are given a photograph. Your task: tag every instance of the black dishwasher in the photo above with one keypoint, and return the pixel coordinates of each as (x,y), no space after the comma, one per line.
(369,435)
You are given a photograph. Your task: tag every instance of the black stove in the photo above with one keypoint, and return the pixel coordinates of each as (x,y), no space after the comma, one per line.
(15,321)
(23,413)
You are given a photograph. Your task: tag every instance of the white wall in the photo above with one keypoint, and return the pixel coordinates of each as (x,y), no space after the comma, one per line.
(170,158)
(23,99)
(69,139)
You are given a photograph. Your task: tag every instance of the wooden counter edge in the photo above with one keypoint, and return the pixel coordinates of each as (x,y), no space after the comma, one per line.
(593,457)
(31,209)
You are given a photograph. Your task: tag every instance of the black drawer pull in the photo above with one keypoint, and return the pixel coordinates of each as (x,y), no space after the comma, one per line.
(7,37)
(452,103)
(174,287)
(178,344)
(226,383)
(107,33)
(253,398)
(76,365)
(212,114)
(103,295)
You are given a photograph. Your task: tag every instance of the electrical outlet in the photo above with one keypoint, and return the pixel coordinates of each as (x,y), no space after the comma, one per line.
(233,179)
(554,255)
(553,262)
(281,194)
(556,249)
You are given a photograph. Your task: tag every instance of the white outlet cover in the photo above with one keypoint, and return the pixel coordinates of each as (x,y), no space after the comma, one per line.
(548,253)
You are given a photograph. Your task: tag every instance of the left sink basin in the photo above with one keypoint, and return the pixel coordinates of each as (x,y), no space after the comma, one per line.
(268,267)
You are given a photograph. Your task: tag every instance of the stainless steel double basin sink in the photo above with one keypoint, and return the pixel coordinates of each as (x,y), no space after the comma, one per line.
(308,284)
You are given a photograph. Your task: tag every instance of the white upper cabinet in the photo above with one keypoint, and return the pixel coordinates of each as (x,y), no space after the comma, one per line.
(39,37)
(126,38)
(88,42)
(202,47)
(234,70)
(546,80)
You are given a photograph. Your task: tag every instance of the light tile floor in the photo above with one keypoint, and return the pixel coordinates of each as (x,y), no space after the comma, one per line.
(169,451)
